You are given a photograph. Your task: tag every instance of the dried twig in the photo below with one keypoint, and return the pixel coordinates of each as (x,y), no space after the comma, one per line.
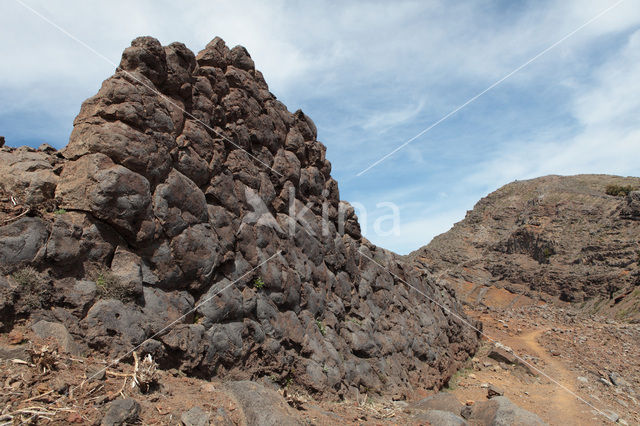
(121,391)
(11,219)
(33,398)
(94,390)
(117,374)
(34,412)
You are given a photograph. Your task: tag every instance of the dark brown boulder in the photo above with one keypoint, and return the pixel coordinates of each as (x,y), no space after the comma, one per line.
(240,58)
(262,406)
(215,54)
(442,401)
(500,411)
(65,242)
(178,203)
(146,56)
(110,192)
(122,412)
(180,65)
(28,175)
(22,242)
(502,355)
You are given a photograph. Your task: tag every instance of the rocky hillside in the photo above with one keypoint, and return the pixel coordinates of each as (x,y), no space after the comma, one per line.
(194,218)
(561,236)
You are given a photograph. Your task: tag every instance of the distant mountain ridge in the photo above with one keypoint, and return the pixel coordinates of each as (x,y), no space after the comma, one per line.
(561,236)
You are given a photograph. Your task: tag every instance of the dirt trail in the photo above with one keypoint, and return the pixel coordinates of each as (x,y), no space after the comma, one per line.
(564,403)
(551,395)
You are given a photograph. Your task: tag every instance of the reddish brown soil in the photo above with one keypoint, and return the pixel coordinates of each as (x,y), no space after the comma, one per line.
(561,347)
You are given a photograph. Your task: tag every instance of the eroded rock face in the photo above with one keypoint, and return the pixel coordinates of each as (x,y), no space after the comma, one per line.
(561,236)
(28,174)
(190,186)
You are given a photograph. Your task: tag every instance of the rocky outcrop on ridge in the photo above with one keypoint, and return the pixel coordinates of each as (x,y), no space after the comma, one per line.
(562,236)
(189,196)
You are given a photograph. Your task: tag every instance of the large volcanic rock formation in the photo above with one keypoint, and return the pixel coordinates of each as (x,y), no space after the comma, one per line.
(187,184)
(573,237)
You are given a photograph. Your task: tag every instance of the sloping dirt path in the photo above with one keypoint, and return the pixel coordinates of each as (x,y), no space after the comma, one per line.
(565,405)
(551,395)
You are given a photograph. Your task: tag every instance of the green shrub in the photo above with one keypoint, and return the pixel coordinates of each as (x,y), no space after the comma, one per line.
(60,211)
(109,286)
(356,321)
(35,291)
(321,327)
(626,312)
(258,283)
(28,278)
(618,191)
(452,383)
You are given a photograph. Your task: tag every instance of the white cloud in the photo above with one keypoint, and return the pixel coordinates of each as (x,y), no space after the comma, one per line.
(316,48)
(612,98)
(383,121)
(375,72)
(607,139)
(415,233)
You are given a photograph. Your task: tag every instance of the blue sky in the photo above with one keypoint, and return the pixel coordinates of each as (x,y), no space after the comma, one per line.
(372,75)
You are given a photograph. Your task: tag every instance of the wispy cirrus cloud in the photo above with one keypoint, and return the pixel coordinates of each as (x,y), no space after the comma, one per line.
(604,139)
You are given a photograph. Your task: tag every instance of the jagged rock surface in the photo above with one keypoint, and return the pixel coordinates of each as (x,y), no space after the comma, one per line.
(557,235)
(187,183)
